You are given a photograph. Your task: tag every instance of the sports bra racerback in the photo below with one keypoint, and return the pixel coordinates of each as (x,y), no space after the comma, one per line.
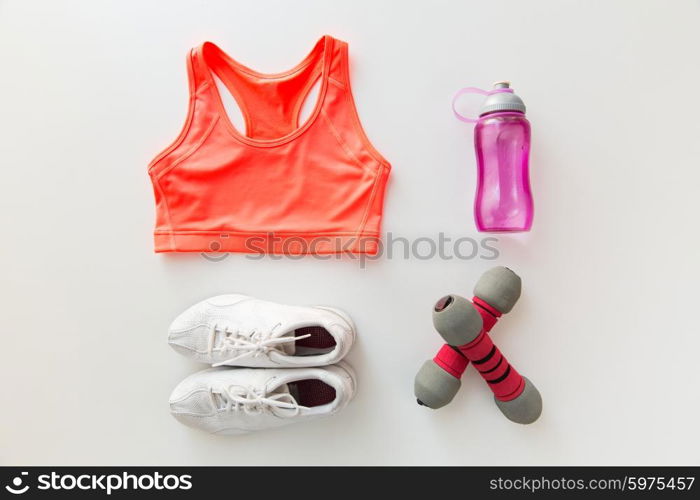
(282,187)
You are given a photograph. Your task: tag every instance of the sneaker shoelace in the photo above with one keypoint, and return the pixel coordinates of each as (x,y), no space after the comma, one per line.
(254,342)
(252,402)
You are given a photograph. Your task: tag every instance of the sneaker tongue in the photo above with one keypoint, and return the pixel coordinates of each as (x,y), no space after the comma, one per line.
(282,389)
(289,348)
(290,389)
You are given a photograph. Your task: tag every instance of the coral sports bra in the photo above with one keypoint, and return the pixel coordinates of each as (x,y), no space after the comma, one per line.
(282,187)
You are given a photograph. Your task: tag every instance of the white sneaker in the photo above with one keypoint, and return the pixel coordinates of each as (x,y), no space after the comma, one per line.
(237,330)
(240,400)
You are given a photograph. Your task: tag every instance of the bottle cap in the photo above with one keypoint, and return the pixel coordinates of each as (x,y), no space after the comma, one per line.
(502,98)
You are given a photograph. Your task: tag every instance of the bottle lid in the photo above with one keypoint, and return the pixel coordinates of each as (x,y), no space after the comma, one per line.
(502,98)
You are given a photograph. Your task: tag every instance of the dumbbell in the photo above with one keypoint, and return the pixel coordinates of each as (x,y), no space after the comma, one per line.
(465,327)
(438,380)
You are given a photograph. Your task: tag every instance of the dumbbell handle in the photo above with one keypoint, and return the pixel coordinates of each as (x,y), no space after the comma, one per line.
(489,314)
(451,359)
(504,380)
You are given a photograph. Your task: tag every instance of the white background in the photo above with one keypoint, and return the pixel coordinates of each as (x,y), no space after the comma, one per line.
(91,91)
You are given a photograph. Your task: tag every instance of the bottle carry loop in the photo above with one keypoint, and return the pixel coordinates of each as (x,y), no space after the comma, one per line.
(473,90)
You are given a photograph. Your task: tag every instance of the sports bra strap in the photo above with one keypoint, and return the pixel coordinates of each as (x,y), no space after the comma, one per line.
(200,71)
(269,103)
(338,63)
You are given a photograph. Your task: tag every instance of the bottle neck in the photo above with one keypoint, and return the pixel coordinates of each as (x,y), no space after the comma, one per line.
(501,113)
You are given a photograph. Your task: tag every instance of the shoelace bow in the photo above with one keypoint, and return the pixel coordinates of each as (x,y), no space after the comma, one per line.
(237,397)
(255,342)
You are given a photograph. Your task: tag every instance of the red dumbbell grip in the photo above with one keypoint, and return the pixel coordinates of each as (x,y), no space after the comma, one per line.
(451,360)
(504,380)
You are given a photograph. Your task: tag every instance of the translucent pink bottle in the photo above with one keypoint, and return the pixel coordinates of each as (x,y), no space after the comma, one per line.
(503,200)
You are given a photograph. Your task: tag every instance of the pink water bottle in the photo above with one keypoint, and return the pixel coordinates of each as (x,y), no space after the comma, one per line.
(503,200)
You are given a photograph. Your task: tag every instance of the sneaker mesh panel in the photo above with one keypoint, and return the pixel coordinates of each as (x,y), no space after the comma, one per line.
(195,339)
(198,403)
